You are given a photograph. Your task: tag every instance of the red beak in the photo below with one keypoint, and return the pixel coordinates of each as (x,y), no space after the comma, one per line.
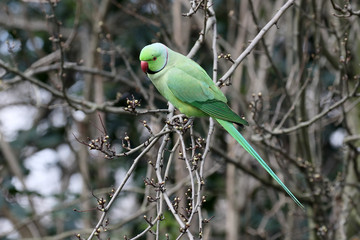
(144,66)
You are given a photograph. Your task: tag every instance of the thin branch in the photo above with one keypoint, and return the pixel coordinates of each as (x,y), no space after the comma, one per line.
(118,190)
(296,101)
(267,53)
(256,40)
(166,196)
(346,11)
(87,106)
(310,121)
(209,24)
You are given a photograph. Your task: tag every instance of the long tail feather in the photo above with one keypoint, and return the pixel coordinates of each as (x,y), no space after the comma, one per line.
(229,127)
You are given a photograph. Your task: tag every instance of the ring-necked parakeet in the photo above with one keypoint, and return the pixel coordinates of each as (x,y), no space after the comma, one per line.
(190,89)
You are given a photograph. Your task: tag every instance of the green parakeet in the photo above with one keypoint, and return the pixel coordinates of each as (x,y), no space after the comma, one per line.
(189,88)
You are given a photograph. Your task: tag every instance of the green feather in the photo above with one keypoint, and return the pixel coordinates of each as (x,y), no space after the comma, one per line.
(221,110)
(189,88)
(229,127)
(203,95)
(192,85)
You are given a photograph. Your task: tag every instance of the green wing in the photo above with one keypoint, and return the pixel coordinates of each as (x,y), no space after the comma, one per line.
(201,93)
(217,109)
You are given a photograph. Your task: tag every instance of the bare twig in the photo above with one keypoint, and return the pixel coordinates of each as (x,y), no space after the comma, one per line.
(118,190)
(256,40)
(82,104)
(346,11)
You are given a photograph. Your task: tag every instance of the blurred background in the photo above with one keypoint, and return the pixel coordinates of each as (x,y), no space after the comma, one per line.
(73,100)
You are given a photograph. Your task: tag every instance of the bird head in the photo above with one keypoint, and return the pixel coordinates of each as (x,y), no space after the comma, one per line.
(153,58)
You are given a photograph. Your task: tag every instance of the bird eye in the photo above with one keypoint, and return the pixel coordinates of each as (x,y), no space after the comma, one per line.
(154,58)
